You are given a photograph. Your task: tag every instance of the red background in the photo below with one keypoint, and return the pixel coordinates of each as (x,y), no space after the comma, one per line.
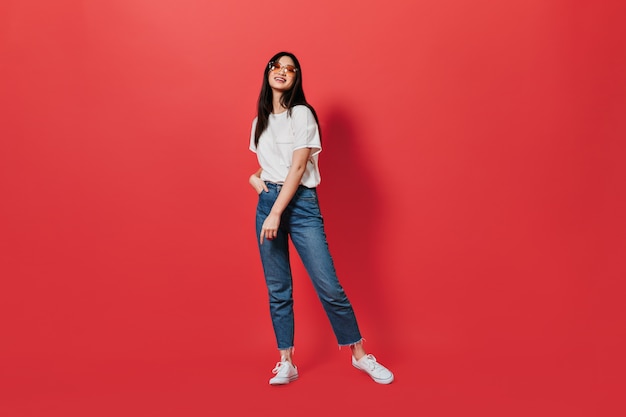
(473,189)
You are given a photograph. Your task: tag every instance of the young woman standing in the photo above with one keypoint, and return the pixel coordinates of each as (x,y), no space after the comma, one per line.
(286,139)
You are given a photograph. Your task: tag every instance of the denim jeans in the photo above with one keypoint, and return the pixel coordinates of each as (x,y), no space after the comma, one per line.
(302,220)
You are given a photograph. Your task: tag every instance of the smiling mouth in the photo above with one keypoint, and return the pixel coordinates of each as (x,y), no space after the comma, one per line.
(280,79)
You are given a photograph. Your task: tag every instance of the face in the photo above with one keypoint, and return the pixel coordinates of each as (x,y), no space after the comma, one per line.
(282,79)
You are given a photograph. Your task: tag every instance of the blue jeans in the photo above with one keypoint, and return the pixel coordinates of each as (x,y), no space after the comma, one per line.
(302,220)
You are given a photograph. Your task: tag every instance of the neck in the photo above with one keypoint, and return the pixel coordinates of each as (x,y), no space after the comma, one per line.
(277,107)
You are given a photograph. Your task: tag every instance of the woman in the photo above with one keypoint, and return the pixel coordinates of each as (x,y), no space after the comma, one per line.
(286,138)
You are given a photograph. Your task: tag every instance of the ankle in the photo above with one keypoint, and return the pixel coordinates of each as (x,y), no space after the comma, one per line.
(357,350)
(285,355)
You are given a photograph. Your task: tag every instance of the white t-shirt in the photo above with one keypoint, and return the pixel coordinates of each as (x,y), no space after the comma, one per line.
(284,135)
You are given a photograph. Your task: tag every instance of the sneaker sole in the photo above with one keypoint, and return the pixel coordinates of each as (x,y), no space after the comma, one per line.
(284,381)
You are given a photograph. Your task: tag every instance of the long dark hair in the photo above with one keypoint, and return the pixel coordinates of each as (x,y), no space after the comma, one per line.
(290,98)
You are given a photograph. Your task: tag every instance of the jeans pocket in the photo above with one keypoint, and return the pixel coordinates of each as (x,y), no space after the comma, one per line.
(307,194)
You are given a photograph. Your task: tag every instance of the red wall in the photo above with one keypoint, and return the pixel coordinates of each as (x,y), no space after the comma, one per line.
(472,177)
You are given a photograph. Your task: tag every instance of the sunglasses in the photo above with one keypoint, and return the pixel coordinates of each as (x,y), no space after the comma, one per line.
(277,66)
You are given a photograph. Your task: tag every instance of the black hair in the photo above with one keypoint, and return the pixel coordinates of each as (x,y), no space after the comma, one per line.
(293,97)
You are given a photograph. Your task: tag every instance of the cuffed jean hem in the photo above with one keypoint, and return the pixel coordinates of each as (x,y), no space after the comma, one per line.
(353,343)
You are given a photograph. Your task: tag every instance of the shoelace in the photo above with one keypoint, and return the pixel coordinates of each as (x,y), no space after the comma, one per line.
(371,361)
(278,367)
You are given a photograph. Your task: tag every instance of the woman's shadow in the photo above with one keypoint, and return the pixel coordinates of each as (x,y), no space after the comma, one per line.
(353,213)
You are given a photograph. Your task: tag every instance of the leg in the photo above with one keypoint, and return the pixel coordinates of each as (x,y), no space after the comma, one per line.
(307,233)
(277,270)
(309,238)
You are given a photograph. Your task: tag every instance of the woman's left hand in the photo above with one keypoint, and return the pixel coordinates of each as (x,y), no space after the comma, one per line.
(269,230)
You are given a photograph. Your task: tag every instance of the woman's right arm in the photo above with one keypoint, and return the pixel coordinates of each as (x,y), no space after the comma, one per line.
(257,183)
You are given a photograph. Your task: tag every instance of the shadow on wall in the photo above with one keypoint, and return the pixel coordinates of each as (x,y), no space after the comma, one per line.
(353,213)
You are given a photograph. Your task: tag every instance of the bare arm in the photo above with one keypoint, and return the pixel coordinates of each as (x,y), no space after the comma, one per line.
(269,230)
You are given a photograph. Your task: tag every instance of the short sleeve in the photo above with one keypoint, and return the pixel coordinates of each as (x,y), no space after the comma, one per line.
(252,145)
(305,129)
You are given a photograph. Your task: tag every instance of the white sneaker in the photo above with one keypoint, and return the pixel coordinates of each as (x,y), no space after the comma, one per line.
(374,369)
(285,372)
